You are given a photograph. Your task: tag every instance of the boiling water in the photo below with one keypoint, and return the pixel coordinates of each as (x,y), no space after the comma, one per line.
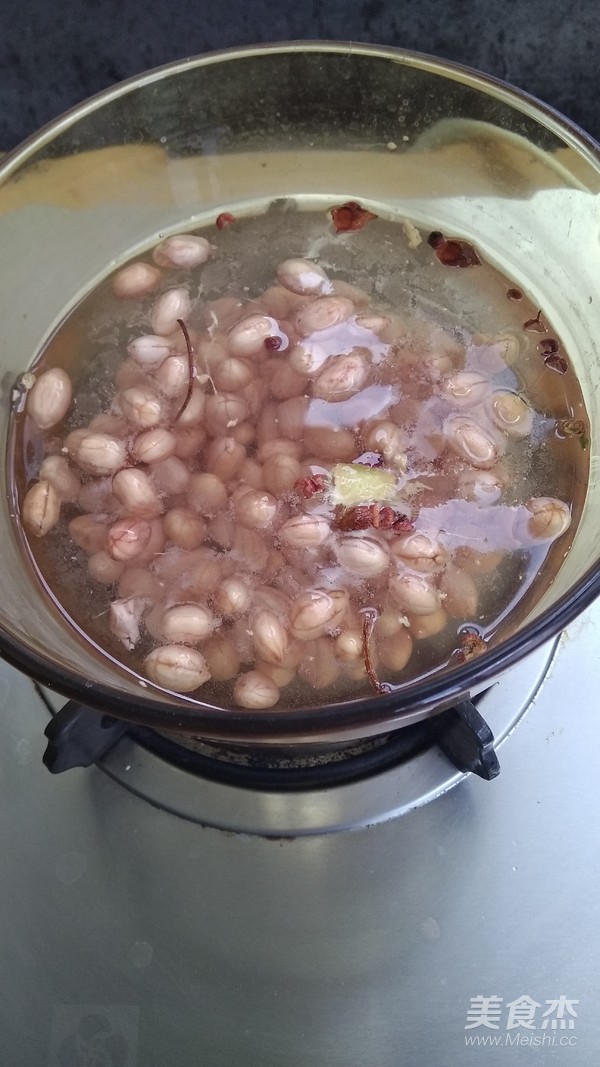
(442,320)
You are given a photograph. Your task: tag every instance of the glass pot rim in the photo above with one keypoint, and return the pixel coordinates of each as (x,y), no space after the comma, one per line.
(348,714)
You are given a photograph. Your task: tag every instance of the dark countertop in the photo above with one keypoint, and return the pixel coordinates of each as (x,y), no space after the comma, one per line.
(53,55)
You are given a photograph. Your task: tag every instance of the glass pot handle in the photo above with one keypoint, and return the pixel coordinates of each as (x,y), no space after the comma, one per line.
(79,736)
(466,739)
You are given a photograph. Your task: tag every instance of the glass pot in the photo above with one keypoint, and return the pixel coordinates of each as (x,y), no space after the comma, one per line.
(447,147)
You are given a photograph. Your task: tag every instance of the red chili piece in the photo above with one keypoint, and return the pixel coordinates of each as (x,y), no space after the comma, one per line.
(367,516)
(548,346)
(472,645)
(386,519)
(453,253)
(224,219)
(272,343)
(350,216)
(357,518)
(311,484)
(556,363)
(402,524)
(536,325)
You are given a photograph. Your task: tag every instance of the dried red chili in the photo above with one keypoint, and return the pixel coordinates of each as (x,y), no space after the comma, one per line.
(273,343)
(536,325)
(311,484)
(224,219)
(350,216)
(453,253)
(557,363)
(394,520)
(371,516)
(356,518)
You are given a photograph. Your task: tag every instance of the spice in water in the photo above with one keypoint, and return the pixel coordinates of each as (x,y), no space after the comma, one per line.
(258,480)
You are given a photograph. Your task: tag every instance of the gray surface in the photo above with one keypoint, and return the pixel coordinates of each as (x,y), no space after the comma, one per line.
(54,55)
(357,949)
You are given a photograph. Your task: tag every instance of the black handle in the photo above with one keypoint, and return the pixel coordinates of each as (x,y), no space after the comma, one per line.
(466,739)
(79,736)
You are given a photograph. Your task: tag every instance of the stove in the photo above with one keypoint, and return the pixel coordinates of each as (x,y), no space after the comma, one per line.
(410,915)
